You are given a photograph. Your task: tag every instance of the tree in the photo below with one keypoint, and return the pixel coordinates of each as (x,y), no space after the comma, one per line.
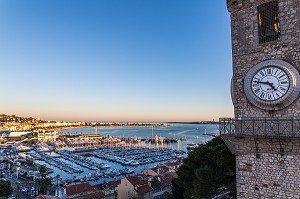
(45,182)
(167,195)
(5,188)
(177,191)
(208,168)
(42,170)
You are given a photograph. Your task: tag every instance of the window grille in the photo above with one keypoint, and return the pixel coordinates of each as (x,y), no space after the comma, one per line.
(268,22)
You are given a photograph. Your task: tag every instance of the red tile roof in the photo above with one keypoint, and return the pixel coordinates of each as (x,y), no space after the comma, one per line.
(114,184)
(167,178)
(144,184)
(79,188)
(109,185)
(137,179)
(46,197)
(144,189)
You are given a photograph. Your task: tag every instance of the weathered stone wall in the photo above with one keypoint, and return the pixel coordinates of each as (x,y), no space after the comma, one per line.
(251,145)
(267,168)
(247,52)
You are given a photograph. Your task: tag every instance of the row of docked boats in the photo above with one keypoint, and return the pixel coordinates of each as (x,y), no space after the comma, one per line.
(110,173)
(134,156)
(117,159)
(84,162)
(56,162)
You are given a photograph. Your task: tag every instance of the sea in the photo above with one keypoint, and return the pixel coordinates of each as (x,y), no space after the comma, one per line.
(188,133)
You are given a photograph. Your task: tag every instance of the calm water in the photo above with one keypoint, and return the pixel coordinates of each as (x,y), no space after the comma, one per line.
(188,131)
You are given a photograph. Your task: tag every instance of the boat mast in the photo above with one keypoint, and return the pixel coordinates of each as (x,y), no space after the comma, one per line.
(152,135)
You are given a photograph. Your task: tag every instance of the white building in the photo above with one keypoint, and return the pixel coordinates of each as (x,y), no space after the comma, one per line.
(47,136)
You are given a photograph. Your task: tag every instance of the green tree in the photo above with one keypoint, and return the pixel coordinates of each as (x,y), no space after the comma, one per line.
(45,182)
(208,168)
(42,170)
(177,191)
(5,188)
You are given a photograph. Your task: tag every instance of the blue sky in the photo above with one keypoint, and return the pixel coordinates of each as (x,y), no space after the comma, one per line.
(115,60)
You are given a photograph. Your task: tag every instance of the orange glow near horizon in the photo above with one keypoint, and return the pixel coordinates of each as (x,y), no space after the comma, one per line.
(119,118)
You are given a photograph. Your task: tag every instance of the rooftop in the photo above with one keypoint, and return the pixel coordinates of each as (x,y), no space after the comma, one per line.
(161,169)
(18,134)
(139,179)
(78,188)
(144,189)
(46,197)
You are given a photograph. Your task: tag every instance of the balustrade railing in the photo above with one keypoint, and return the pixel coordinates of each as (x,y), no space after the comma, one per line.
(261,127)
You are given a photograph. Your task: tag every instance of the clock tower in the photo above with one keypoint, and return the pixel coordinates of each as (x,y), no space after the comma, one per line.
(265,87)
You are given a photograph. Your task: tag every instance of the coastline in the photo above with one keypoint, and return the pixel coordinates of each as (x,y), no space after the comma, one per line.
(111,127)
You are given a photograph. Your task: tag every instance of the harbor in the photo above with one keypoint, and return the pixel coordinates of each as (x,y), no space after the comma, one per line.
(103,164)
(100,156)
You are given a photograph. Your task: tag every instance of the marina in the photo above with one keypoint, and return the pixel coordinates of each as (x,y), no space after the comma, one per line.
(104,155)
(115,156)
(103,163)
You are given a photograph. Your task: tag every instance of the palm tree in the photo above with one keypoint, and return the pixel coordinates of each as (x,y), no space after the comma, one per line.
(44,181)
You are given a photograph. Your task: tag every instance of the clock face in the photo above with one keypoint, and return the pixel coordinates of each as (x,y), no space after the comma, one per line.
(270,83)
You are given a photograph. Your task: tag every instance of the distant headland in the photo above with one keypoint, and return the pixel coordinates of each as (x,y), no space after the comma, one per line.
(18,123)
(203,122)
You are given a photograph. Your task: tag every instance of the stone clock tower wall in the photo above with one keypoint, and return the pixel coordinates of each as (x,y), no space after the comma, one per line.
(247,51)
(266,143)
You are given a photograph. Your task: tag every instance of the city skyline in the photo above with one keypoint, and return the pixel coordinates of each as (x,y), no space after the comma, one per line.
(146,61)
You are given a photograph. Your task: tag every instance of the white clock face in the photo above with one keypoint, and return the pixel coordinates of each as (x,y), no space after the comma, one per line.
(270,83)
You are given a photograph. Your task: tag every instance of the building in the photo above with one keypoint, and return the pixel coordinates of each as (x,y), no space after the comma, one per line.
(152,183)
(47,136)
(173,164)
(134,187)
(265,133)
(156,171)
(46,197)
(21,136)
(79,191)
(109,189)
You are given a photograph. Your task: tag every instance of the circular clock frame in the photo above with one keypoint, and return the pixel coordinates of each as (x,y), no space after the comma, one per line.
(288,98)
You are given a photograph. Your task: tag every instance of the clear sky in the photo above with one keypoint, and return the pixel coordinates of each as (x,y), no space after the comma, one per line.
(115,60)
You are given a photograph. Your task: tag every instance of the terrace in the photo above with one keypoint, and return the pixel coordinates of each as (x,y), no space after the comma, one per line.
(260,127)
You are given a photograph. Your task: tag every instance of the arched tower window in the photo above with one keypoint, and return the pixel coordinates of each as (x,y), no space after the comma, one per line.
(268,22)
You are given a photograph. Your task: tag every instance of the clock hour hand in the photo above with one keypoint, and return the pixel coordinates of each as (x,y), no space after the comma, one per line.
(272,86)
(267,83)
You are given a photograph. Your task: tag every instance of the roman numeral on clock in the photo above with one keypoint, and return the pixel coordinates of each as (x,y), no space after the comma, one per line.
(283,89)
(281,76)
(256,91)
(269,96)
